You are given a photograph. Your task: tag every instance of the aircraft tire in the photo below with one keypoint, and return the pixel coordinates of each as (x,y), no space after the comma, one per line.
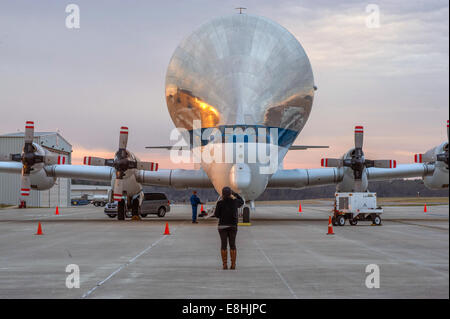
(121,210)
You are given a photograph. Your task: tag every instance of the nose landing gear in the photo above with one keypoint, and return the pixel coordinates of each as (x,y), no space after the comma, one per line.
(246,214)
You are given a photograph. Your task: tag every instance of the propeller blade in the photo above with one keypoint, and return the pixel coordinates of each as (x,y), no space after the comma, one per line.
(331,162)
(54,159)
(123,139)
(418,158)
(359,136)
(424,158)
(118,190)
(94,161)
(29,131)
(25,185)
(385,163)
(147,166)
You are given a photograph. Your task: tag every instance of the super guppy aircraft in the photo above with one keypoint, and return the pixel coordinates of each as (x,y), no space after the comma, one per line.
(239,83)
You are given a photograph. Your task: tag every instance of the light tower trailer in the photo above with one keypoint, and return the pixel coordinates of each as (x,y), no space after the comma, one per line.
(356,207)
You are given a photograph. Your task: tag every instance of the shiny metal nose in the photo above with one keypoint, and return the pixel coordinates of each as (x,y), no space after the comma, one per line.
(240,177)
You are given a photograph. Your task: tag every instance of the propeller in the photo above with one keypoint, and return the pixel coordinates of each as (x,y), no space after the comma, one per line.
(357,162)
(429,156)
(121,163)
(29,158)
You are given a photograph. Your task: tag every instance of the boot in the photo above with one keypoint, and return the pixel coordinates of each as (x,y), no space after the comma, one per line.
(224,254)
(233,258)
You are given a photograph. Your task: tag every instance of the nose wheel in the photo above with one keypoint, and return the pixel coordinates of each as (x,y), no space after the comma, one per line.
(246,215)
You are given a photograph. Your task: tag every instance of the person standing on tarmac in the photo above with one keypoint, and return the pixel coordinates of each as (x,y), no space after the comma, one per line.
(227,213)
(194,202)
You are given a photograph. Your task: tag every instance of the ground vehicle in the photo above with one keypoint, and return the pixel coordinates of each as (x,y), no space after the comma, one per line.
(99,200)
(359,206)
(153,203)
(81,201)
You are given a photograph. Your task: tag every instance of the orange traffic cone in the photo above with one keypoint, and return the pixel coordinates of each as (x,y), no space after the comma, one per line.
(425,208)
(330,226)
(39,230)
(56,211)
(201,208)
(166,231)
(300,207)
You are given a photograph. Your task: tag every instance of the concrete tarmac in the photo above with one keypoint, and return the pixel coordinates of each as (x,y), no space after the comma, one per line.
(284,254)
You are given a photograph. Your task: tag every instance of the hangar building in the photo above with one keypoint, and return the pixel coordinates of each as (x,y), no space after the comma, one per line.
(59,194)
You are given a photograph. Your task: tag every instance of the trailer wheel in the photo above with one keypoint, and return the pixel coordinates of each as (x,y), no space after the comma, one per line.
(333,221)
(377,220)
(353,222)
(340,220)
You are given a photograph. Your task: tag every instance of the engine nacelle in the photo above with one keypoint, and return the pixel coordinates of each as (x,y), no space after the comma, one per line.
(40,180)
(348,181)
(38,177)
(440,178)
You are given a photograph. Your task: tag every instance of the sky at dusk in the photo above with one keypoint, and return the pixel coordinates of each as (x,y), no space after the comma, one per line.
(88,82)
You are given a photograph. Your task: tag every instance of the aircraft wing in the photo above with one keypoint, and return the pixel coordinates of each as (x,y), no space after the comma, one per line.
(96,173)
(10,167)
(177,178)
(302,178)
(291,148)
(305,147)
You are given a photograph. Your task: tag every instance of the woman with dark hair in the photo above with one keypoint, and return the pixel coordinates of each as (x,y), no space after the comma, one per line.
(227,213)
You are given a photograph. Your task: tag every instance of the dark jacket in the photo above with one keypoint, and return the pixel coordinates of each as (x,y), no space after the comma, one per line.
(227,210)
(195,200)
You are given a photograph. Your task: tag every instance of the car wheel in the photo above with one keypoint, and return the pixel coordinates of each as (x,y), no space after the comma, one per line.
(161,212)
(353,222)
(111,215)
(144,215)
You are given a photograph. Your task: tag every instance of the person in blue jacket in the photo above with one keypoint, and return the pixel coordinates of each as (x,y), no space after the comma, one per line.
(195,201)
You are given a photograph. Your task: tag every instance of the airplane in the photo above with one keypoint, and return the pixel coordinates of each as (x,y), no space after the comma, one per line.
(238,88)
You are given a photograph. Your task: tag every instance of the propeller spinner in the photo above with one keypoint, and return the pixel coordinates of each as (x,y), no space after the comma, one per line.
(121,163)
(357,162)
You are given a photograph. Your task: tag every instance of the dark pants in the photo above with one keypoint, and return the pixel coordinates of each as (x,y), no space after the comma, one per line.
(228,235)
(194,213)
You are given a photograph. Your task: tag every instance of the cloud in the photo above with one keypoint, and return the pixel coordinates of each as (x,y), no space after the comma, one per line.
(408,42)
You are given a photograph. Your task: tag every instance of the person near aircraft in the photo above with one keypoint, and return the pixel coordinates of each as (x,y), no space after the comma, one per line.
(195,201)
(227,213)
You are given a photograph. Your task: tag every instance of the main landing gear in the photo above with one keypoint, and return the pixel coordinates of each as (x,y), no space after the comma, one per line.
(121,210)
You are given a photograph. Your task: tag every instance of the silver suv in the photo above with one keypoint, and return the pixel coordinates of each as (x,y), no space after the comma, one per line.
(153,203)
